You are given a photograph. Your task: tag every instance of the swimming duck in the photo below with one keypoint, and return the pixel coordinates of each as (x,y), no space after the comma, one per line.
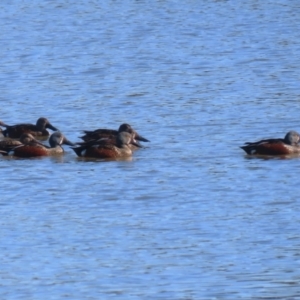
(102,148)
(37,130)
(31,147)
(288,145)
(112,135)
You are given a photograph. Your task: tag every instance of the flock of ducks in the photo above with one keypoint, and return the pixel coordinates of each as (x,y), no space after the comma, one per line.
(23,140)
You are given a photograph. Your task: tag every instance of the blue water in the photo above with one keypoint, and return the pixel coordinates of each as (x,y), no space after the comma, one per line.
(188,217)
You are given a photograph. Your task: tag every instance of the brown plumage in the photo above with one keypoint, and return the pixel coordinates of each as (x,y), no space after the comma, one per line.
(37,130)
(8,144)
(112,134)
(288,145)
(103,149)
(30,147)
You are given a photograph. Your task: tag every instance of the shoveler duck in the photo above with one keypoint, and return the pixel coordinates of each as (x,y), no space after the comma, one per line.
(104,149)
(37,130)
(30,147)
(288,145)
(112,135)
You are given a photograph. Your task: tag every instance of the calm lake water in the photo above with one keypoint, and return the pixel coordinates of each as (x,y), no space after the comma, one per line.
(188,217)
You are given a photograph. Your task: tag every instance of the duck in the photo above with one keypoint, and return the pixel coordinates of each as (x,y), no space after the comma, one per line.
(103,148)
(288,145)
(31,147)
(37,130)
(112,135)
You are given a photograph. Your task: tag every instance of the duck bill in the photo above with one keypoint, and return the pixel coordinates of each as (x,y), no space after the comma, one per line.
(50,126)
(67,142)
(140,138)
(137,144)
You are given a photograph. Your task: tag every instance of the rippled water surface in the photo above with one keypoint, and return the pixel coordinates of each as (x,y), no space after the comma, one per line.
(188,217)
